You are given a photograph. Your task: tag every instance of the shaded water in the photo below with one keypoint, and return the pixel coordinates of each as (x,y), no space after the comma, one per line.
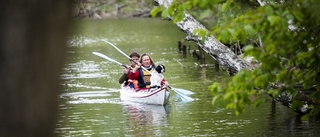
(90,103)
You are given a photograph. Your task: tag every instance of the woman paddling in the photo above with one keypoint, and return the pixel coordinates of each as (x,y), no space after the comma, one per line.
(143,76)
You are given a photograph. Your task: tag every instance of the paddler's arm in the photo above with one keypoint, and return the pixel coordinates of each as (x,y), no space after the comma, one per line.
(134,74)
(164,83)
(123,78)
(125,75)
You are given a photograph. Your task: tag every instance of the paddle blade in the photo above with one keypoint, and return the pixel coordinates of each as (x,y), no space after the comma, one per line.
(184,91)
(186,98)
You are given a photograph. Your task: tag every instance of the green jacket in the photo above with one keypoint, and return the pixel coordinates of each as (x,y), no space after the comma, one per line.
(123,78)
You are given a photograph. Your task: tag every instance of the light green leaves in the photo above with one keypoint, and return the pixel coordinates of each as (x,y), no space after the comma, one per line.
(287,56)
(250,30)
(155,11)
(273,19)
(268,10)
(187,5)
(201,33)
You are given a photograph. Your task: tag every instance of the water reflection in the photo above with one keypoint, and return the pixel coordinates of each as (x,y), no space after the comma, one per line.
(82,69)
(91,97)
(283,122)
(145,120)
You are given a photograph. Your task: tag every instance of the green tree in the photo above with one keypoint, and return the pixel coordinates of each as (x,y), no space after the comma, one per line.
(283,36)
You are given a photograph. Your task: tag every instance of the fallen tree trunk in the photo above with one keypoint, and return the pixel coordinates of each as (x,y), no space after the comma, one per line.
(218,51)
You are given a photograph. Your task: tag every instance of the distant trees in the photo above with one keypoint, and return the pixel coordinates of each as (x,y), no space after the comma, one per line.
(283,36)
(99,9)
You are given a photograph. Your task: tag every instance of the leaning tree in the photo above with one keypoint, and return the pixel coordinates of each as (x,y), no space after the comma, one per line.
(283,36)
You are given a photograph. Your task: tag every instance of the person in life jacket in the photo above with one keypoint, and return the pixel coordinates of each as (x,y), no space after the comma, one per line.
(142,75)
(124,78)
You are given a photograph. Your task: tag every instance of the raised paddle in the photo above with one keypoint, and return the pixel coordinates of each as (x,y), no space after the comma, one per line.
(112,60)
(108,58)
(120,51)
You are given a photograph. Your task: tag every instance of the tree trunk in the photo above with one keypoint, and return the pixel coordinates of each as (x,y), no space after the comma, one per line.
(33,40)
(219,52)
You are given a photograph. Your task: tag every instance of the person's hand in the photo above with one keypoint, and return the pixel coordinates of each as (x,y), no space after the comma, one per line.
(126,70)
(136,67)
(165,84)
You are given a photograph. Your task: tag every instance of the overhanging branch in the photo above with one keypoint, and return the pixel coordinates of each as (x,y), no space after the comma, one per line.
(218,51)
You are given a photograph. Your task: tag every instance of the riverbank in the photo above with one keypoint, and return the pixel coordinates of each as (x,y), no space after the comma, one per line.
(95,9)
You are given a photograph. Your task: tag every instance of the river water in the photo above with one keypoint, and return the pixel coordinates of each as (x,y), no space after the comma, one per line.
(90,103)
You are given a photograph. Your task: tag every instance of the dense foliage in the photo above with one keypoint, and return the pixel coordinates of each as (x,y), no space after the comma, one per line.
(282,35)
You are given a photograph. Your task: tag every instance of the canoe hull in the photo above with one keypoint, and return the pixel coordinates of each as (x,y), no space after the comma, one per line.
(154,97)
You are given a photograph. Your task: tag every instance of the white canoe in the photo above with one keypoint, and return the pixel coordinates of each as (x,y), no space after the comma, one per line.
(158,96)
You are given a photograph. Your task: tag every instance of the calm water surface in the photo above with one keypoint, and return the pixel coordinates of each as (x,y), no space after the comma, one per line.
(90,103)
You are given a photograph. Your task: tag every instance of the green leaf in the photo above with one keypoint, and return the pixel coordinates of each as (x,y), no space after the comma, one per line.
(164,14)
(224,6)
(290,17)
(257,103)
(305,117)
(203,39)
(249,30)
(171,10)
(299,16)
(273,19)
(231,106)
(225,36)
(243,36)
(203,3)
(214,100)
(155,11)
(195,2)
(231,31)
(248,48)
(187,5)
(227,96)
(180,15)
(202,33)
(274,93)
(296,104)
(268,10)
(239,108)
